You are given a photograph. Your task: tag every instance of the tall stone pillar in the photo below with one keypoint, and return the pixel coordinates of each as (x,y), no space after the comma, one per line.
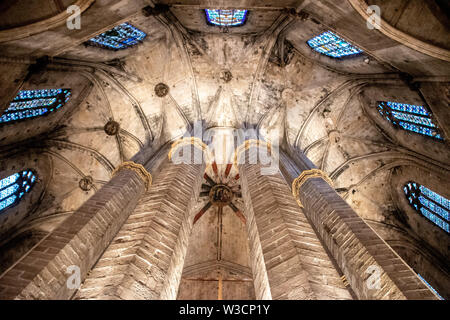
(372,268)
(287,258)
(70,251)
(145,260)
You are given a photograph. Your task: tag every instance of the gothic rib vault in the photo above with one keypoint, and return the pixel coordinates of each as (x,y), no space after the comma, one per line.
(131,105)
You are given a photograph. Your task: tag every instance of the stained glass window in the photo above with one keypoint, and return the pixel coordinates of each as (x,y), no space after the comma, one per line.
(430,204)
(14,187)
(333,46)
(33,103)
(409,117)
(226,18)
(120,37)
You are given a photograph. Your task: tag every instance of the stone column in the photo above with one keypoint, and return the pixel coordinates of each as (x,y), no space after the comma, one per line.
(287,258)
(359,252)
(146,258)
(77,242)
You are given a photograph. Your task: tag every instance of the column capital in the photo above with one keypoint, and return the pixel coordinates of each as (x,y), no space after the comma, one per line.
(305,176)
(138,168)
(247,144)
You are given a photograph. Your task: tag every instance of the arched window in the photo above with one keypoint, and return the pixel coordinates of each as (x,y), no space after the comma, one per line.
(120,37)
(409,117)
(226,17)
(14,187)
(333,46)
(430,204)
(33,103)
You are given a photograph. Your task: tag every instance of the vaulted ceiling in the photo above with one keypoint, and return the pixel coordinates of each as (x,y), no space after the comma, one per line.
(308,102)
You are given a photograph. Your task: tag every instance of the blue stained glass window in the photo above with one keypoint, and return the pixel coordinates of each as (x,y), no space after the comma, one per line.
(333,46)
(226,17)
(430,204)
(409,117)
(120,37)
(33,103)
(429,286)
(14,187)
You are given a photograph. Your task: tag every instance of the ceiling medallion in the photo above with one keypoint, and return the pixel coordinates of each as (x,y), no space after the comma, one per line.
(112,128)
(161,90)
(221,194)
(86,183)
(226,75)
